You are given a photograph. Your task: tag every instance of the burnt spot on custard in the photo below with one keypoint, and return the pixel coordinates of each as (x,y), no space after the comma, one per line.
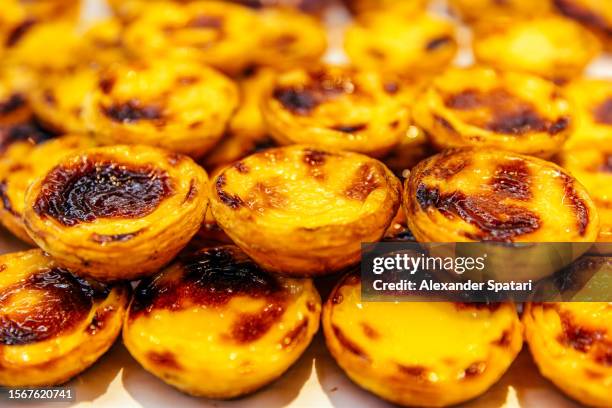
(106,84)
(583,339)
(349,344)
(99,320)
(17,33)
(474,370)
(105,239)
(315,161)
(241,167)
(6,201)
(582,14)
(206,21)
(31,132)
(164,359)
(93,188)
(579,207)
(322,87)
(63,301)
(250,327)
(132,111)
(13,103)
(505,112)
(513,180)
(192,192)
(297,334)
(365,180)
(350,128)
(447,165)
(211,277)
(438,43)
(369,331)
(495,220)
(233,201)
(263,196)
(414,371)
(603,112)
(504,340)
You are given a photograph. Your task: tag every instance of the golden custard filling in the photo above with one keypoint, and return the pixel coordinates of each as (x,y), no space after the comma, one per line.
(177,105)
(592,106)
(485,108)
(215,314)
(336,107)
(489,195)
(549,46)
(427,369)
(53,325)
(572,346)
(403,44)
(308,200)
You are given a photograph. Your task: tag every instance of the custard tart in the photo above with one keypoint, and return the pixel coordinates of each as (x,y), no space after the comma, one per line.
(178,105)
(482,107)
(591,101)
(490,195)
(214,324)
(593,168)
(571,343)
(53,325)
(304,211)
(420,353)
(117,212)
(20,165)
(288,38)
(59,98)
(336,107)
(552,47)
(593,14)
(392,42)
(216,33)
(103,44)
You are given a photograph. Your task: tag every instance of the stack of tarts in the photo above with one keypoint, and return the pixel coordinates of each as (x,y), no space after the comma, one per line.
(221,173)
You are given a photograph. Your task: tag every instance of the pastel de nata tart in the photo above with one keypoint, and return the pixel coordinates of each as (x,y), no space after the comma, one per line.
(593,14)
(304,211)
(476,11)
(335,107)
(457,353)
(102,43)
(118,212)
(53,325)
(216,33)
(407,7)
(246,132)
(593,168)
(552,47)
(178,105)
(58,99)
(33,50)
(592,106)
(214,324)
(490,195)
(421,44)
(571,343)
(288,38)
(23,163)
(485,108)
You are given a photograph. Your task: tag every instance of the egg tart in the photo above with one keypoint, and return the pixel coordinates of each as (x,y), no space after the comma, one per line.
(59,98)
(490,195)
(288,38)
(20,165)
(393,42)
(216,33)
(420,353)
(552,47)
(476,11)
(246,132)
(44,47)
(336,107)
(53,325)
(485,108)
(592,106)
(103,43)
(304,211)
(214,324)
(118,212)
(593,168)
(594,14)
(178,105)
(571,344)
